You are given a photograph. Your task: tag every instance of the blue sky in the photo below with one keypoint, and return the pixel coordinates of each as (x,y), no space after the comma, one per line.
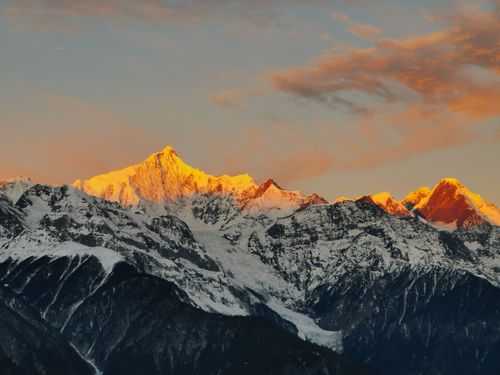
(272,88)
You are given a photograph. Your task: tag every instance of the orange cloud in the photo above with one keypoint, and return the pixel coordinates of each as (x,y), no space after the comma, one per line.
(429,66)
(364,31)
(361,30)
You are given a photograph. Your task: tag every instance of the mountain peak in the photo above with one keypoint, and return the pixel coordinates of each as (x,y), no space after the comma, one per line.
(415,197)
(162,177)
(389,204)
(21,179)
(450,181)
(169,150)
(452,203)
(14,187)
(265,186)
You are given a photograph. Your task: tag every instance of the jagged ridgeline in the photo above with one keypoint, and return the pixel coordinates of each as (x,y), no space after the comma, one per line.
(161,268)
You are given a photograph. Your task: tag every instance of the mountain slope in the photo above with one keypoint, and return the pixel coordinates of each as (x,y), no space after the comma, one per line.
(387,202)
(415,197)
(451,203)
(178,273)
(320,269)
(162,177)
(98,273)
(165,178)
(15,187)
(28,346)
(408,298)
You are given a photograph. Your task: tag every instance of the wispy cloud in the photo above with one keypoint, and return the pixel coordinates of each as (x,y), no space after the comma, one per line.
(458,68)
(361,30)
(408,96)
(364,31)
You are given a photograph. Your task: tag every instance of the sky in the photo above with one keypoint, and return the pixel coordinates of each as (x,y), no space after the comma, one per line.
(337,97)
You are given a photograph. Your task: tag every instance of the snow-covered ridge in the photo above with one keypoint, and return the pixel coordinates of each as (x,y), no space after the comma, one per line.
(165,178)
(449,205)
(389,204)
(451,202)
(228,259)
(162,177)
(13,188)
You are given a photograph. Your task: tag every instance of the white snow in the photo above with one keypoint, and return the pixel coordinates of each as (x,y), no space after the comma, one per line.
(474,245)
(14,188)
(308,329)
(24,249)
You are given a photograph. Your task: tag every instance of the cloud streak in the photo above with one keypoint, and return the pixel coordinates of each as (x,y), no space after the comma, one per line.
(408,96)
(458,69)
(361,30)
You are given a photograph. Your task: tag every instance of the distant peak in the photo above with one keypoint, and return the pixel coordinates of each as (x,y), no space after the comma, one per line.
(343,198)
(452,202)
(24,179)
(382,197)
(265,186)
(316,199)
(450,181)
(390,205)
(162,177)
(270,182)
(415,197)
(169,150)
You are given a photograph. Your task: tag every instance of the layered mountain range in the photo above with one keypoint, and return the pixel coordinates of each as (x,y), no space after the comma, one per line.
(160,268)
(165,177)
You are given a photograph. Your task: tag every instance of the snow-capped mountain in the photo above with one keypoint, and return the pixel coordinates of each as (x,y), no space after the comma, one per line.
(90,268)
(388,203)
(163,177)
(163,268)
(452,204)
(415,197)
(270,196)
(13,188)
(449,205)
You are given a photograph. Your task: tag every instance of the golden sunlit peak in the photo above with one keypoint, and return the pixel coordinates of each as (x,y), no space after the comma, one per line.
(386,201)
(450,181)
(452,202)
(382,197)
(162,177)
(415,197)
(169,150)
